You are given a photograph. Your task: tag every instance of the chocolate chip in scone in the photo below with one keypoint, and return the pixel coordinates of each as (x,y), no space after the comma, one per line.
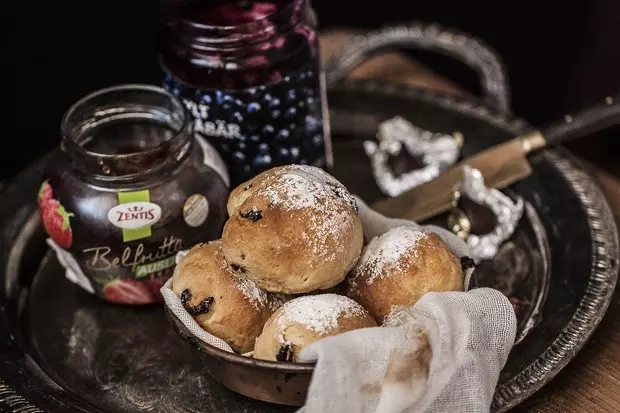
(237,268)
(285,353)
(467,263)
(253,214)
(248,187)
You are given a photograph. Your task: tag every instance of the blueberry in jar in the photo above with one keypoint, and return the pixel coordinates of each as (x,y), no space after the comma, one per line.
(247,68)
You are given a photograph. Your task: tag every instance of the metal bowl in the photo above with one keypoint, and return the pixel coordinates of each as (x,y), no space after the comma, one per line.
(268,381)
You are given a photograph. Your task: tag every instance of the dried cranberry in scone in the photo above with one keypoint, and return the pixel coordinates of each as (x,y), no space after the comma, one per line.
(231,308)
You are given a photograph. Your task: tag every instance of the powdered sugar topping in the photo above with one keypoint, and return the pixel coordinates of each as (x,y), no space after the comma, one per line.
(320,313)
(259,298)
(254,294)
(297,187)
(302,186)
(294,191)
(386,251)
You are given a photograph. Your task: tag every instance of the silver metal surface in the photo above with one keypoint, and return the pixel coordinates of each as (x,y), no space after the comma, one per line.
(435,151)
(507,212)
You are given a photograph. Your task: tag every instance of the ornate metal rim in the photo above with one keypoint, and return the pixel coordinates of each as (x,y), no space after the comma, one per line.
(433,37)
(595,301)
(11,401)
(605,251)
(605,263)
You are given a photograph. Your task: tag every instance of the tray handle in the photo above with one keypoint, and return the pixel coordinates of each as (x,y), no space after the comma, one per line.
(430,37)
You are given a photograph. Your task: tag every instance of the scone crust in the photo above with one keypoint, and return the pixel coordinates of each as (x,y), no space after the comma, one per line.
(428,266)
(239,309)
(282,330)
(291,246)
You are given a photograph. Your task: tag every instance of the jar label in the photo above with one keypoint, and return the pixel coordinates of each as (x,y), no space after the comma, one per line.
(122,246)
(257,128)
(134,215)
(195,210)
(73,272)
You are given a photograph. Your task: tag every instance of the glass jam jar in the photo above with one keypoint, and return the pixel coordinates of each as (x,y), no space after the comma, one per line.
(249,72)
(130,187)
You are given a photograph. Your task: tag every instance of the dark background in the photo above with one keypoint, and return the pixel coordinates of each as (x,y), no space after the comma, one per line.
(559,56)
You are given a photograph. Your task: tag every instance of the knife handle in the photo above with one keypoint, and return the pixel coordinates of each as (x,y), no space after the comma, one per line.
(586,122)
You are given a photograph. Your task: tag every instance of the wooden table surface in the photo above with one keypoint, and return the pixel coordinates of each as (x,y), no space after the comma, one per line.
(591,382)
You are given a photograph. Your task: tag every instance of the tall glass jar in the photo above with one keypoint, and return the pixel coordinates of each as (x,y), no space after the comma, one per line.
(249,73)
(129,188)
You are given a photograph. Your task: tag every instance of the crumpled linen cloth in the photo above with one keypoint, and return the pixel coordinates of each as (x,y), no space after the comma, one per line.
(442,355)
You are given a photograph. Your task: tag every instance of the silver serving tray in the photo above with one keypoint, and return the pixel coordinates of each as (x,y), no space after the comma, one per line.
(64,350)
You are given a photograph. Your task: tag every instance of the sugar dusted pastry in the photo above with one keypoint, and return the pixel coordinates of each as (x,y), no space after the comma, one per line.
(399,267)
(304,320)
(292,229)
(231,308)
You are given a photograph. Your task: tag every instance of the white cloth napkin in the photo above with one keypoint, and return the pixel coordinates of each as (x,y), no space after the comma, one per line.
(444,354)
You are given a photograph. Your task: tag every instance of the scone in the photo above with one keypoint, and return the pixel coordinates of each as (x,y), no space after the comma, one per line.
(304,320)
(293,230)
(231,308)
(399,267)
(340,289)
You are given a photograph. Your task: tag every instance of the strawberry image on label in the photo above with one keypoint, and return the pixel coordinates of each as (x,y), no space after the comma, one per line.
(56,219)
(45,194)
(57,225)
(127,291)
(154,285)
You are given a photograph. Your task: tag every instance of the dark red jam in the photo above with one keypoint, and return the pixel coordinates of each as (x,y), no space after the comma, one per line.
(249,73)
(130,187)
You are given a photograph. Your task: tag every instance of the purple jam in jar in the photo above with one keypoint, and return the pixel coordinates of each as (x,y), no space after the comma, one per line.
(129,188)
(249,73)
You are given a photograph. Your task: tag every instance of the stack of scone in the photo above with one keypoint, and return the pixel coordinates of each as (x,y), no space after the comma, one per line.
(291,268)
